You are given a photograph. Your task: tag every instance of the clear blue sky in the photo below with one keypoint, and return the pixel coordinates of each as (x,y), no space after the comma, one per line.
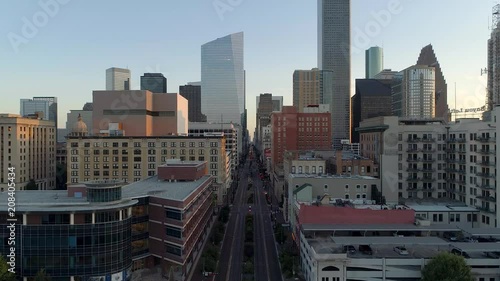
(67,55)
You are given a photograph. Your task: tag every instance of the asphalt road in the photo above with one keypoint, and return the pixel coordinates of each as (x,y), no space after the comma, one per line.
(231,259)
(266,258)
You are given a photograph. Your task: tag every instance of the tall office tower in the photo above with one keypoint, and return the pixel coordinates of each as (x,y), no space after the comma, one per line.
(192,92)
(493,93)
(372,99)
(28,145)
(374,61)
(223,80)
(154,82)
(428,57)
(117,79)
(334,54)
(413,93)
(312,87)
(47,105)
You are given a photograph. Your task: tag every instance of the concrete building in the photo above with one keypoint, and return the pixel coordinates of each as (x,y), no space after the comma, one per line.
(223,80)
(374,61)
(326,234)
(312,87)
(192,92)
(371,99)
(493,90)
(232,133)
(46,105)
(427,57)
(277,103)
(437,160)
(132,159)
(414,93)
(334,54)
(140,113)
(117,79)
(266,104)
(112,232)
(154,82)
(29,146)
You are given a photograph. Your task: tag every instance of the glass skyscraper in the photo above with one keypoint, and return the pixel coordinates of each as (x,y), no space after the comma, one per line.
(374,61)
(47,105)
(223,80)
(154,82)
(334,54)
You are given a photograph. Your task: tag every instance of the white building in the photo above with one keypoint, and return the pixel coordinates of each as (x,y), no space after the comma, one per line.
(117,79)
(432,159)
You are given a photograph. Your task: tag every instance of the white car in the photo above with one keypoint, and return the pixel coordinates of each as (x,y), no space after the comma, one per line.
(401,250)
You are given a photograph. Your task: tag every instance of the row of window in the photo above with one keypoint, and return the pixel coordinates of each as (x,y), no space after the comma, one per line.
(150,144)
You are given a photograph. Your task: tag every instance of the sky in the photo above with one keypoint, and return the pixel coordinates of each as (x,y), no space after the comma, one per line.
(63,47)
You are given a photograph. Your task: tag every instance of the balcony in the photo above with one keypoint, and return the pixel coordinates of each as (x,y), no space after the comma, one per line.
(486,151)
(487,198)
(428,160)
(412,150)
(412,179)
(429,150)
(462,151)
(428,140)
(485,139)
(428,170)
(485,175)
(421,189)
(450,170)
(428,179)
(486,163)
(462,172)
(451,150)
(413,140)
(486,186)
(484,209)
(412,160)
(461,140)
(411,169)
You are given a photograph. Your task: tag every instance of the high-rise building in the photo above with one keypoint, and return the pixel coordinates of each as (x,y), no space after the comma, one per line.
(334,54)
(312,87)
(374,61)
(117,79)
(223,80)
(46,105)
(277,103)
(28,145)
(139,113)
(413,93)
(493,93)
(372,99)
(386,74)
(428,57)
(192,92)
(154,82)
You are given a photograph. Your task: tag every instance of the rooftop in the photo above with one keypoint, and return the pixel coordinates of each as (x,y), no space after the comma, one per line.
(328,176)
(436,207)
(335,216)
(378,227)
(180,163)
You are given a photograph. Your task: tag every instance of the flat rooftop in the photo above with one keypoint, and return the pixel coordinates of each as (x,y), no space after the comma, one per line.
(378,227)
(179,163)
(435,207)
(353,177)
(388,240)
(176,191)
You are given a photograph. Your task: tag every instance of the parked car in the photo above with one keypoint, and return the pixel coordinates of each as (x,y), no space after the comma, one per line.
(349,249)
(401,250)
(365,249)
(470,240)
(451,236)
(460,253)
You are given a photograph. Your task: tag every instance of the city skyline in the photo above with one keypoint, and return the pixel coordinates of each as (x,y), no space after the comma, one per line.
(180,63)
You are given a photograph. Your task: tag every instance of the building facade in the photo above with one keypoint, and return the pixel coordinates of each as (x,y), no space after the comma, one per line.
(413,93)
(154,82)
(47,105)
(312,87)
(428,57)
(334,54)
(117,79)
(140,113)
(371,100)
(29,146)
(374,61)
(493,92)
(132,159)
(193,95)
(223,80)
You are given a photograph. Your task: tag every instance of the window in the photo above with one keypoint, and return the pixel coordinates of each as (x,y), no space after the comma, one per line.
(173,249)
(173,214)
(174,232)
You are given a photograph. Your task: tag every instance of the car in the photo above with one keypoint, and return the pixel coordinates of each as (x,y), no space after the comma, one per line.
(460,253)
(401,250)
(349,249)
(470,240)
(365,249)
(451,236)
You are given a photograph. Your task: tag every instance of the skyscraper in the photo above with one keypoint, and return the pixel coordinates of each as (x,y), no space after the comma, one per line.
(192,92)
(334,54)
(223,80)
(428,57)
(154,82)
(47,105)
(413,93)
(117,79)
(311,87)
(374,61)
(493,94)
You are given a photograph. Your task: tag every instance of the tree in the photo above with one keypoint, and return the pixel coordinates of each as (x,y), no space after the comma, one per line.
(5,275)
(447,267)
(42,276)
(31,185)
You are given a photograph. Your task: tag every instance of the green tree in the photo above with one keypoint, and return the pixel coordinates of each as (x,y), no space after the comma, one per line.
(31,185)
(41,275)
(5,275)
(447,267)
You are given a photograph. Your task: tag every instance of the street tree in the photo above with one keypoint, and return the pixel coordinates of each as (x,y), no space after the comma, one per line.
(447,267)
(5,275)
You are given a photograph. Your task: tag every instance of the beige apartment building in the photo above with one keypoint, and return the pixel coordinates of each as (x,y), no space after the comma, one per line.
(28,145)
(132,159)
(140,113)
